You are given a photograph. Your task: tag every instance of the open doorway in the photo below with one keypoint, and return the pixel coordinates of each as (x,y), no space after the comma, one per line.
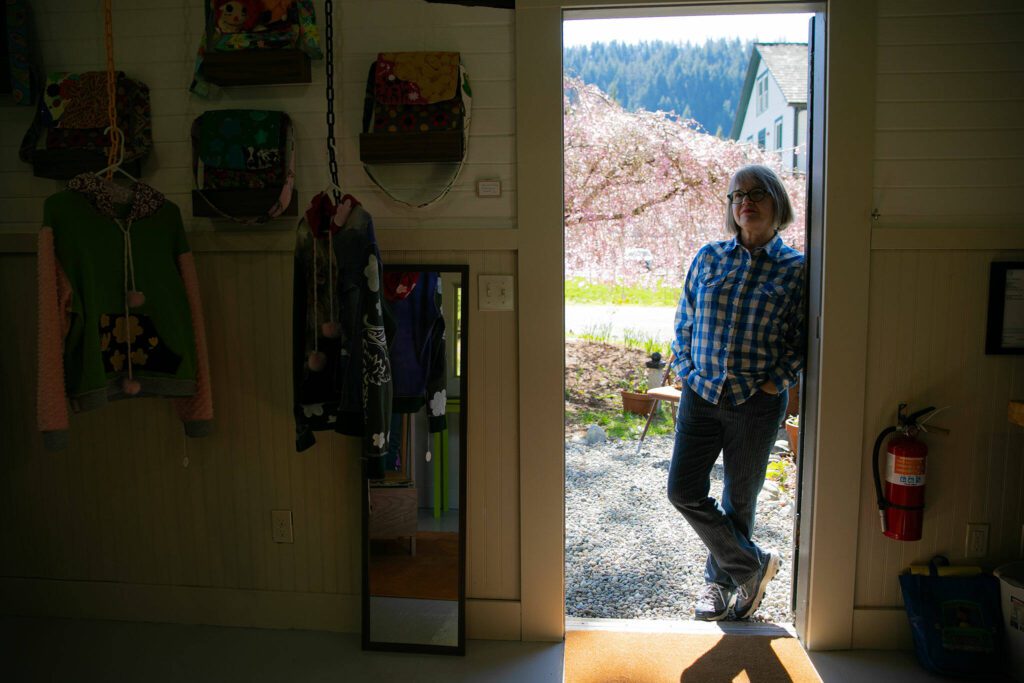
(644,190)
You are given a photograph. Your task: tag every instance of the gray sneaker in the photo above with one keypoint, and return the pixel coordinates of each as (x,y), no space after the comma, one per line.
(713,602)
(750,594)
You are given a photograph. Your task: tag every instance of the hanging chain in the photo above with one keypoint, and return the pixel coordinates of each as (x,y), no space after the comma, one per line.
(332,160)
(115,137)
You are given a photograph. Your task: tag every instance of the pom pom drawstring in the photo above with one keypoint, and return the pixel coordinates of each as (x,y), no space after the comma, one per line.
(317,361)
(133,298)
(331,329)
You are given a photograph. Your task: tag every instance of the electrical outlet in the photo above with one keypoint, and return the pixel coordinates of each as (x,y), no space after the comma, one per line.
(977,540)
(281,526)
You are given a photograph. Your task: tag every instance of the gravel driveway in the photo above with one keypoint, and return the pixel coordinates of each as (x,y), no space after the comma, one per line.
(631,555)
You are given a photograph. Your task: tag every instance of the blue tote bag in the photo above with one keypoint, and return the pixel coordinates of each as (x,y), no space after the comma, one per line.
(955,621)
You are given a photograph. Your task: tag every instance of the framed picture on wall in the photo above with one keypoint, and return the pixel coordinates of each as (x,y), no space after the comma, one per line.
(1005,333)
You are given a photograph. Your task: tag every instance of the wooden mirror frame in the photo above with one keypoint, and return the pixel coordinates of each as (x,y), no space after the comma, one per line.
(460,647)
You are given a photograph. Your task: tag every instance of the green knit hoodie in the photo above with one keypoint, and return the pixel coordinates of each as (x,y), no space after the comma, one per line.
(98,342)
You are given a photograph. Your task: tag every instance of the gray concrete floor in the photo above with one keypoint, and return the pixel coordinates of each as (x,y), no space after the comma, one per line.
(87,651)
(83,651)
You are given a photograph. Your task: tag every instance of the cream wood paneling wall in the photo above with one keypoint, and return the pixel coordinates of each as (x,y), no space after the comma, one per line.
(136,503)
(948,149)
(156,43)
(926,347)
(948,127)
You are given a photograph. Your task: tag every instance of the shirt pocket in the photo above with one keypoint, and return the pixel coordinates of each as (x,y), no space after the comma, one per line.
(710,288)
(769,300)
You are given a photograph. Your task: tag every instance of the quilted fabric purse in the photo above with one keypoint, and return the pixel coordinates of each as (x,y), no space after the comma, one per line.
(256,27)
(416,109)
(68,134)
(243,161)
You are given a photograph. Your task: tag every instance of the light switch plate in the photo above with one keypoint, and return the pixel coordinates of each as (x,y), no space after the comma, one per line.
(496,293)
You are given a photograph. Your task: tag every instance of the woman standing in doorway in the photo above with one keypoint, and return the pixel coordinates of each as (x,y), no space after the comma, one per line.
(739,346)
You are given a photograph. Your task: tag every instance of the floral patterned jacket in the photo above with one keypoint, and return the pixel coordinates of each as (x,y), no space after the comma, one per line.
(418,359)
(337,315)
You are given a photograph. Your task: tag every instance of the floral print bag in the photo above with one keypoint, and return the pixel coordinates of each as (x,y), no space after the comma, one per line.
(236,25)
(417,109)
(244,149)
(69,135)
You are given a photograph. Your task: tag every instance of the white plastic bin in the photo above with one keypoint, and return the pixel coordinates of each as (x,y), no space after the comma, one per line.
(1011,598)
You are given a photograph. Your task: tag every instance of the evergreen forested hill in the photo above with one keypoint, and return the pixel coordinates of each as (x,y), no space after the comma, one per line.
(695,81)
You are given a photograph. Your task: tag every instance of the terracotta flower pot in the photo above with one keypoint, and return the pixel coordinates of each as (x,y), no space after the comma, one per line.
(793,432)
(793,407)
(640,404)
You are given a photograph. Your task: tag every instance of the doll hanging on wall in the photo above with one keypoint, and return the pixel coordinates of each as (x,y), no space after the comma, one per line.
(235,16)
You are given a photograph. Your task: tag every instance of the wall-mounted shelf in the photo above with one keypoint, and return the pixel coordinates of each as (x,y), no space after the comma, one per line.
(257,67)
(240,202)
(411,148)
(1016,412)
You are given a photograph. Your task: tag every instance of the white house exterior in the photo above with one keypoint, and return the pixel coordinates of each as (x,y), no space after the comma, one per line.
(773,103)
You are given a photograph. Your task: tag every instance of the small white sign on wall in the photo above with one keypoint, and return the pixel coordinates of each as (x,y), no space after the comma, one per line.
(488,188)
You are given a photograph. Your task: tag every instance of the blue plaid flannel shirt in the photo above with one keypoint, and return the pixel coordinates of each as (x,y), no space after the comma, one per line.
(740,320)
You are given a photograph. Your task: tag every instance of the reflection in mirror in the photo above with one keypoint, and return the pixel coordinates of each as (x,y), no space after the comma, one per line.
(414,553)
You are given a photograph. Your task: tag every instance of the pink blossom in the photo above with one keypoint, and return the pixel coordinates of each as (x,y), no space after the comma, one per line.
(648,180)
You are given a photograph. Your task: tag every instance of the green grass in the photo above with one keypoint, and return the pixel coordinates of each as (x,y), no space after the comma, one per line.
(601,332)
(579,291)
(620,425)
(631,339)
(638,339)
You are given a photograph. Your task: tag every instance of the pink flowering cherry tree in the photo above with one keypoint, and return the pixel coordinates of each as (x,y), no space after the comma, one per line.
(648,180)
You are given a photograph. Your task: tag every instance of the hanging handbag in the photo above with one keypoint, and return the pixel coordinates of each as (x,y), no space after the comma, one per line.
(243,164)
(18,73)
(416,110)
(256,42)
(955,620)
(69,132)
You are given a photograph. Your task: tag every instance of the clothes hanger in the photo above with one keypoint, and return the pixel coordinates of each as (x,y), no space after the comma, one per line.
(106,173)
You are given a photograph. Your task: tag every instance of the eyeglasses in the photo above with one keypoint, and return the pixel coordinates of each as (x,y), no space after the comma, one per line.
(755,195)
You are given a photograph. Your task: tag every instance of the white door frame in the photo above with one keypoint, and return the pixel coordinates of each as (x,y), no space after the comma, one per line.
(842,328)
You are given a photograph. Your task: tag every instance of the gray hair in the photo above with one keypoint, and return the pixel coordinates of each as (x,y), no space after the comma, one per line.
(766,178)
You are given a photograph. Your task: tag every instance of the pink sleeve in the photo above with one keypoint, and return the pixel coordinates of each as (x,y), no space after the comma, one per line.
(54,291)
(196,411)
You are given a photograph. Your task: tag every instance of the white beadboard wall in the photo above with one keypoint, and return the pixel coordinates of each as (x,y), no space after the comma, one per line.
(135,504)
(156,43)
(948,152)
(948,124)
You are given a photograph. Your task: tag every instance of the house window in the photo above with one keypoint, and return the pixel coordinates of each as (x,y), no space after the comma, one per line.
(762,93)
(778,134)
(761,134)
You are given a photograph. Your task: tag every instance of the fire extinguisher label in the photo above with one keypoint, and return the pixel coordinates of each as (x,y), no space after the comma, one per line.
(904,471)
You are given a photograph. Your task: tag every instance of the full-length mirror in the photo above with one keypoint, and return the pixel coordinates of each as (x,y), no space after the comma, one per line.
(414,540)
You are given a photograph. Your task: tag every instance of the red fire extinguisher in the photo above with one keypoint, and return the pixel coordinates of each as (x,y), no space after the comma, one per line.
(901,504)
